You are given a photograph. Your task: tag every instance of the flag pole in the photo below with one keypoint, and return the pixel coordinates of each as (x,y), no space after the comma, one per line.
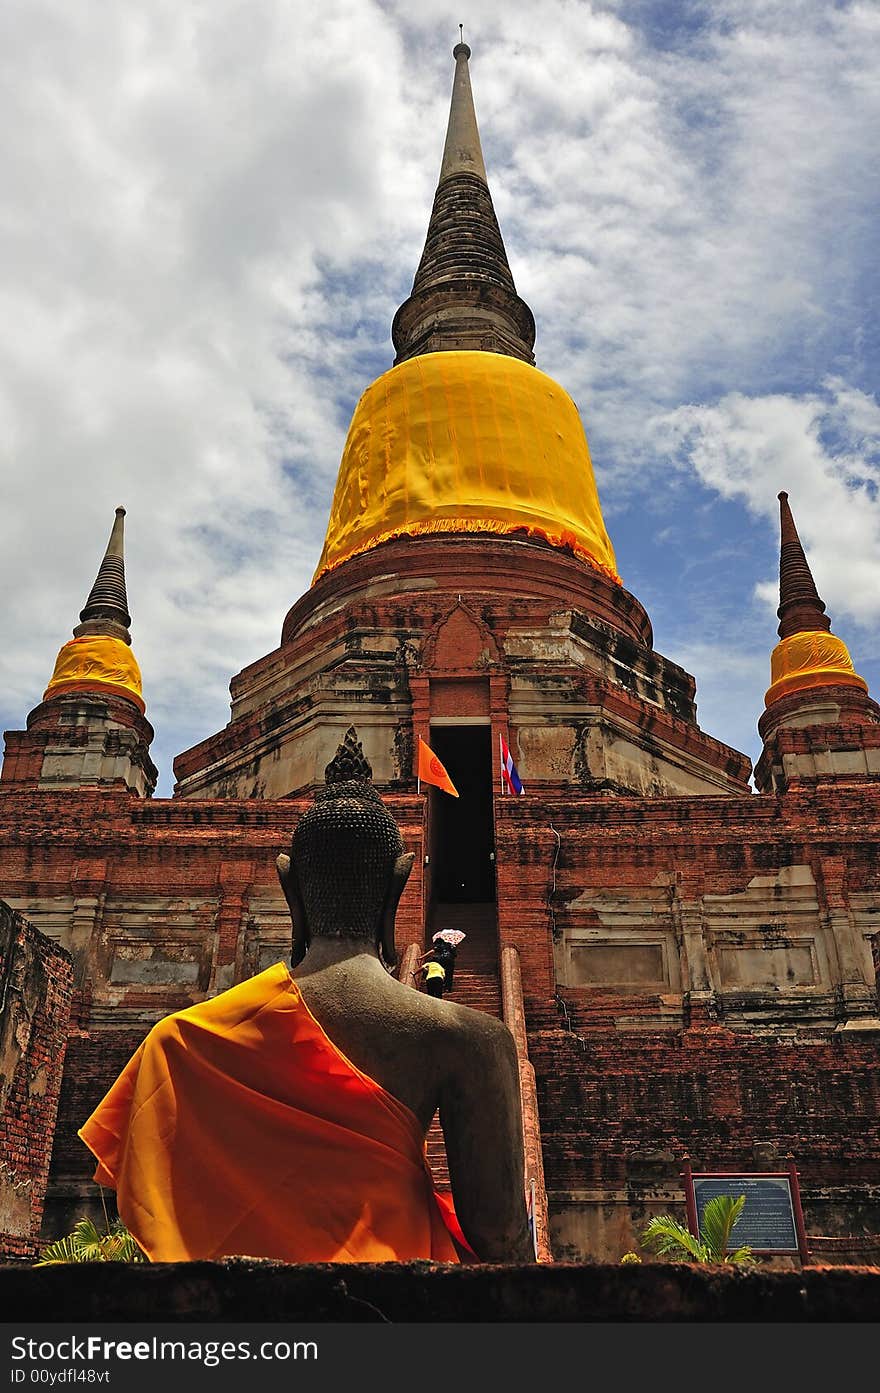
(501,761)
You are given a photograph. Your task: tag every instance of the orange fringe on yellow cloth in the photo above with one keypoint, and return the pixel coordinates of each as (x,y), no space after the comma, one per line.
(437,526)
(239,1128)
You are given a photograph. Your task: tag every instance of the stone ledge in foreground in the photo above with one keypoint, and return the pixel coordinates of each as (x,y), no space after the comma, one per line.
(255,1289)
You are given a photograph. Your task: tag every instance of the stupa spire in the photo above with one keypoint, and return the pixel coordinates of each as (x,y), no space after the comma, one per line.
(106,609)
(808,654)
(462,153)
(800,608)
(99,658)
(464,435)
(463,295)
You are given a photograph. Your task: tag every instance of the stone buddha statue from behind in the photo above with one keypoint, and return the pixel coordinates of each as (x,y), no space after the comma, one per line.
(343,881)
(286,1117)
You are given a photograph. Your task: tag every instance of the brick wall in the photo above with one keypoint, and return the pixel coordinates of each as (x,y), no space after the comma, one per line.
(91,1067)
(620,1113)
(35,988)
(186,891)
(631,1081)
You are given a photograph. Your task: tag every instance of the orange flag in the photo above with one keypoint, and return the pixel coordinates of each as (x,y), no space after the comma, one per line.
(431,771)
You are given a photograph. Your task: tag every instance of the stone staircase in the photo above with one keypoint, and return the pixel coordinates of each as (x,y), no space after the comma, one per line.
(476,983)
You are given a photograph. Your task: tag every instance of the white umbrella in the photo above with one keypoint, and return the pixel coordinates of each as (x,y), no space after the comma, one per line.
(451,936)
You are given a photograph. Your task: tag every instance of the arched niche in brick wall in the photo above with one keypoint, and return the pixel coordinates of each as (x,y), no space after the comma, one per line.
(461,641)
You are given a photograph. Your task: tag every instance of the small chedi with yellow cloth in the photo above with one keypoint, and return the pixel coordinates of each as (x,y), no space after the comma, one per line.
(90,729)
(99,658)
(814,688)
(286,1117)
(808,655)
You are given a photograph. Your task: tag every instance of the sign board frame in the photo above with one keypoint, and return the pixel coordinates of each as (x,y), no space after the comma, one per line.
(794,1195)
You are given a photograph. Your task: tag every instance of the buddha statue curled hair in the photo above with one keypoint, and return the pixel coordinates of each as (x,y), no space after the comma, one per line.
(345,850)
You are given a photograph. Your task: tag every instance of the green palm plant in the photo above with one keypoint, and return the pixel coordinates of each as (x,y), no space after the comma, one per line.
(670,1239)
(87,1244)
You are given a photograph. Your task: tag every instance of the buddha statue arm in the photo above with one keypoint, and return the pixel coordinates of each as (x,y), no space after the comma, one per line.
(481,1116)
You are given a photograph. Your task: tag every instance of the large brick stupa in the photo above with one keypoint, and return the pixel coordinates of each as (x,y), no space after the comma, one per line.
(688,962)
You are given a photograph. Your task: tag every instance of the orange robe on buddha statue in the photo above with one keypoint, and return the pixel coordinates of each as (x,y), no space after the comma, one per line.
(239,1128)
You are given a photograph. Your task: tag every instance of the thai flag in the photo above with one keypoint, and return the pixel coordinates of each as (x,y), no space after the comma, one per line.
(509,773)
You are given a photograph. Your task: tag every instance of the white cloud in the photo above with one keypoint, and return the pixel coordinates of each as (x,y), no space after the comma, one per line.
(823,449)
(211,213)
(179,185)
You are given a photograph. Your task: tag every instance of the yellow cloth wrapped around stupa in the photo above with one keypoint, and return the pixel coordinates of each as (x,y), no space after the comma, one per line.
(812,659)
(466,442)
(97,663)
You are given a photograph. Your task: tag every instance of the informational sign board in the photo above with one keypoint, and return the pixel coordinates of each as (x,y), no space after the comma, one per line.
(771,1220)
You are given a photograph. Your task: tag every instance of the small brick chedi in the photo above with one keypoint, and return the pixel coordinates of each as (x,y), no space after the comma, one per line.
(688,964)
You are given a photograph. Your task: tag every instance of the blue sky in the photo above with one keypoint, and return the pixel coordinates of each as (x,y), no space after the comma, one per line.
(211,214)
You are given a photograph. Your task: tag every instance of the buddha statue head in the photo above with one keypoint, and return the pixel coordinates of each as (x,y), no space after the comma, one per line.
(347,866)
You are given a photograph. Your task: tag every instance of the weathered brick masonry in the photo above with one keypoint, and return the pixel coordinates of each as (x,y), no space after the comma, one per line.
(35,984)
(737,1075)
(669,924)
(164,901)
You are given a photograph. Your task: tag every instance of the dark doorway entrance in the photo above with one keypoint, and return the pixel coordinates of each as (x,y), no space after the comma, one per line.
(462,829)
